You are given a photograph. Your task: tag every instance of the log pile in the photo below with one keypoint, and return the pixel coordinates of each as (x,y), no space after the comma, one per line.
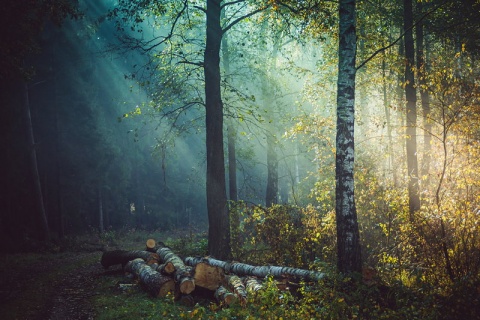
(161,272)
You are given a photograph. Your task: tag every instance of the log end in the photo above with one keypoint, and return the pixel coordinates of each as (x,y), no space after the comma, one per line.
(187,285)
(150,245)
(167,287)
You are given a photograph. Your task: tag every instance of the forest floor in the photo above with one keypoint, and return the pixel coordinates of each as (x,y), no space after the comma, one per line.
(58,283)
(49,286)
(63,283)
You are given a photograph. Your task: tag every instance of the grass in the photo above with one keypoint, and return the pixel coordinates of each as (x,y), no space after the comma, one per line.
(28,283)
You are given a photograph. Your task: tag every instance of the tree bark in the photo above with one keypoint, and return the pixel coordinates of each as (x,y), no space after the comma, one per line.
(231,131)
(111,258)
(271,196)
(182,274)
(235,284)
(218,219)
(164,268)
(348,238)
(242,269)
(100,210)
(154,283)
(224,296)
(425,99)
(411,111)
(253,285)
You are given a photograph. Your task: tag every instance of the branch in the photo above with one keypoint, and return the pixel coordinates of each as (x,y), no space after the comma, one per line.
(400,37)
(234,22)
(230,3)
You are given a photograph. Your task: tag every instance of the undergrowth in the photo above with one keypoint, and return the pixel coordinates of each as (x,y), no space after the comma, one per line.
(333,297)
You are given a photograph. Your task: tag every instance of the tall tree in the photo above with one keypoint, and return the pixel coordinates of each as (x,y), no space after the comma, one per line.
(218,218)
(411,110)
(231,130)
(348,236)
(424,97)
(218,234)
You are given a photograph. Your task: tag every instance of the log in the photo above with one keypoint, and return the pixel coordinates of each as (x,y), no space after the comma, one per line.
(224,296)
(164,268)
(150,245)
(252,284)
(235,284)
(182,274)
(114,257)
(154,283)
(242,269)
(206,275)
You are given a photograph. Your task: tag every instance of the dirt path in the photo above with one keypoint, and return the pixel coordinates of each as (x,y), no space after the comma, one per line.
(50,286)
(72,292)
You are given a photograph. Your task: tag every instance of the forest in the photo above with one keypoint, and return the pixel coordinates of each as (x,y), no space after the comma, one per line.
(340,137)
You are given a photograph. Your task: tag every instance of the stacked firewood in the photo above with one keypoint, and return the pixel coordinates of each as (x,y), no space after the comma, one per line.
(160,271)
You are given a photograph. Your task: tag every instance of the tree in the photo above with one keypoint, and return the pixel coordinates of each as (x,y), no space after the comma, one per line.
(411,110)
(218,218)
(21,24)
(218,234)
(348,237)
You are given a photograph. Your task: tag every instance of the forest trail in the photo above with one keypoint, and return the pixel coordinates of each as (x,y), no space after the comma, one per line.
(50,286)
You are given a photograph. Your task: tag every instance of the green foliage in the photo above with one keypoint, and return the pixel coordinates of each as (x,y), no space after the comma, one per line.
(281,234)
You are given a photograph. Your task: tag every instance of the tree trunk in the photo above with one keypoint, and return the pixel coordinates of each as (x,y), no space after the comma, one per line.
(44,232)
(271,196)
(231,131)
(386,107)
(111,258)
(411,111)
(232,162)
(154,283)
(421,69)
(100,210)
(348,238)
(218,219)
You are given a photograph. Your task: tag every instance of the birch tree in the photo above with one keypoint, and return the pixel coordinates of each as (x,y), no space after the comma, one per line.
(348,238)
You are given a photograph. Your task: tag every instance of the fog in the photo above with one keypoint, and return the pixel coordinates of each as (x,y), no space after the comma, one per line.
(124,127)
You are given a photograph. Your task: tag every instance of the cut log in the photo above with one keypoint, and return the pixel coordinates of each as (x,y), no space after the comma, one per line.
(242,269)
(164,268)
(182,274)
(154,283)
(111,258)
(206,275)
(235,284)
(252,284)
(224,296)
(150,245)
